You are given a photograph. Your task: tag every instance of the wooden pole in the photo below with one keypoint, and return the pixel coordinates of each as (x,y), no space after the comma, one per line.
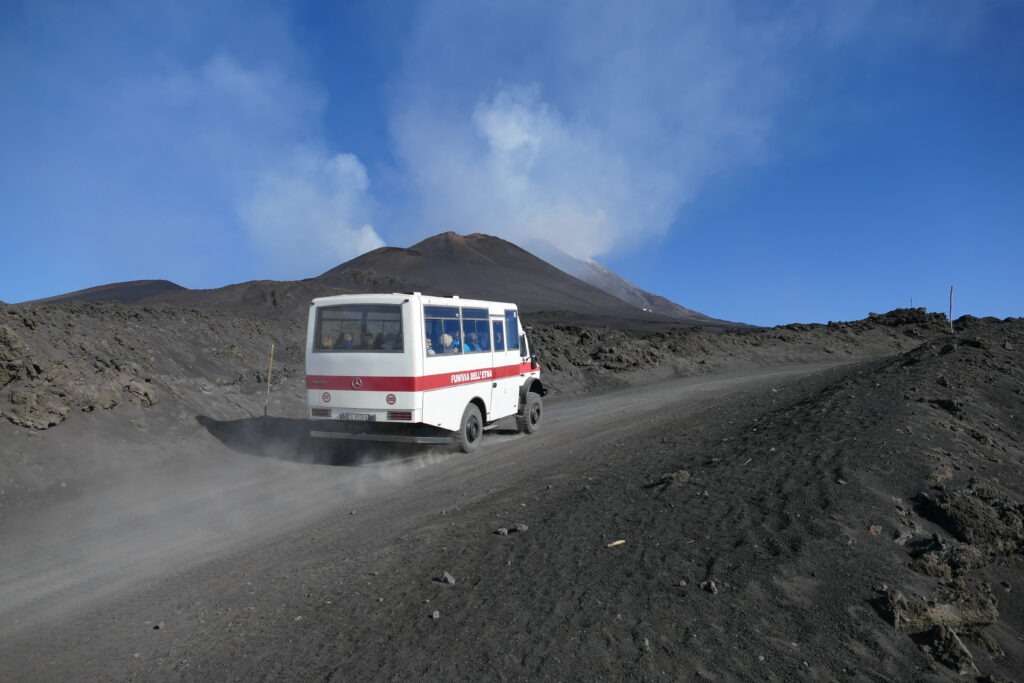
(951,309)
(270,371)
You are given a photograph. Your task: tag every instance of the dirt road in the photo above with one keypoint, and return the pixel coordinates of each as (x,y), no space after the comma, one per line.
(114,583)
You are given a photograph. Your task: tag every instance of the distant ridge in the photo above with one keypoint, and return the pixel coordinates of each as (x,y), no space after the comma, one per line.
(471,266)
(129,292)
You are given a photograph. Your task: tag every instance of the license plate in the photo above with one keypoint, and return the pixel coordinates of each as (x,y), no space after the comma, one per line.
(357,417)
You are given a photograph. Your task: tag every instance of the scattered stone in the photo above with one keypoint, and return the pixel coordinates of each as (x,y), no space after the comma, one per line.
(945,560)
(671,480)
(446,579)
(520,527)
(144,392)
(949,405)
(501,531)
(435,615)
(902,537)
(965,603)
(711,586)
(940,475)
(979,514)
(875,530)
(948,649)
(616,544)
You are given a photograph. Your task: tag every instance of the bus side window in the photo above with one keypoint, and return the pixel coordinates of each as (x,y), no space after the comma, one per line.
(512,329)
(451,338)
(442,330)
(433,337)
(499,335)
(478,337)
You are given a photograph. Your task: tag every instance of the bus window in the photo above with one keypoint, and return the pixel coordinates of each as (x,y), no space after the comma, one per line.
(512,329)
(442,331)
(476,330)
(499,336)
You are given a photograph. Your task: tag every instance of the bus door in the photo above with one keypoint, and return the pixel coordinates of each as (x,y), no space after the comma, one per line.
(478,350)
(506,399)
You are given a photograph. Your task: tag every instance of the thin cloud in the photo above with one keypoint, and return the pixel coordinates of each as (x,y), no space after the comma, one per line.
(312,208)
(592,125)
(301,205)
(598,142)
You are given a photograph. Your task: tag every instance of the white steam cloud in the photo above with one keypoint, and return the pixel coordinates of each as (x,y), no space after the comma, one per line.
(598,136)
(591,125)
(301,205)
(312,204)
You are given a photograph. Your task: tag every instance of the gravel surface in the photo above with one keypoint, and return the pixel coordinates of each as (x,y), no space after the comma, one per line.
(771,513)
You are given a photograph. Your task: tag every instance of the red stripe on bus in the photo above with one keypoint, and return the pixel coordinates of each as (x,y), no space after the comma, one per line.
(424,383)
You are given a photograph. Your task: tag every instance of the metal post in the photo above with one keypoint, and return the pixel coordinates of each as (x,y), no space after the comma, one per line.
(951,309)
(270,370)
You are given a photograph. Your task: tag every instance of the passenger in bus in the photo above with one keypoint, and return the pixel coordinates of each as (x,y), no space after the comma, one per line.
(448,344)
(344,343)
(473,342)
(430,347)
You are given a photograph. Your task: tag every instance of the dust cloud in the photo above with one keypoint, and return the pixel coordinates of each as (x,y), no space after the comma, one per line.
(257,479)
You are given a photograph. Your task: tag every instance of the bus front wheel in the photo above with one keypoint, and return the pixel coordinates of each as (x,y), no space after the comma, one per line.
(533,410)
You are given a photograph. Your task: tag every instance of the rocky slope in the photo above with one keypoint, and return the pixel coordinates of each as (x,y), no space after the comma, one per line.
(606,280)
(77,378)
(59,360)
(865,524)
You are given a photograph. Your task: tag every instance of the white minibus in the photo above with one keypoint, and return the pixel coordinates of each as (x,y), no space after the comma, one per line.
(418,368)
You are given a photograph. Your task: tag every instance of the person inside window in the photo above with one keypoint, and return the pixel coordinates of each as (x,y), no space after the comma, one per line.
(472,342)
(448,343)
(345,342)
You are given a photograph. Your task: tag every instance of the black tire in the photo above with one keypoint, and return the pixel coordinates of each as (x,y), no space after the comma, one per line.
(471,431)
(533,411)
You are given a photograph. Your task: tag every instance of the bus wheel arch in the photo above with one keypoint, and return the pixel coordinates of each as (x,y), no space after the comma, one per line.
(532,385)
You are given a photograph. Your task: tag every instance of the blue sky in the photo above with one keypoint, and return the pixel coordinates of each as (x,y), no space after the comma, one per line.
(797,161)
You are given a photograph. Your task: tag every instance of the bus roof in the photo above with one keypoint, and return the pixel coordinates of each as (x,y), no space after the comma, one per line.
(400,297)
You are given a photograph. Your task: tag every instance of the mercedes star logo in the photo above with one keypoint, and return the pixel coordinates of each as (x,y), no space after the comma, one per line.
(357,382)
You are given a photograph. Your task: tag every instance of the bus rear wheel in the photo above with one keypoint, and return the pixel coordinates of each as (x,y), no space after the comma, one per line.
(471,433)
(533,410)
